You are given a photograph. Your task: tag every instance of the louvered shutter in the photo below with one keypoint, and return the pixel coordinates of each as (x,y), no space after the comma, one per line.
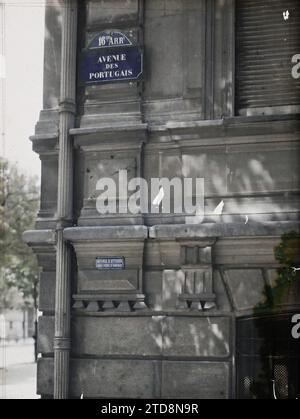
(265,45)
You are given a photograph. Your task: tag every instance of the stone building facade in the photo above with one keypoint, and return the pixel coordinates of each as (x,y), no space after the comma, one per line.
(201,310)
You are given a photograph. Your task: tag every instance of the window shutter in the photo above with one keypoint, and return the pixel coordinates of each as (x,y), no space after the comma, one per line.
(265,45)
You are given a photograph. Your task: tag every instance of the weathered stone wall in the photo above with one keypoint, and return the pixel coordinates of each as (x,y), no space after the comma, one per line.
(164,327)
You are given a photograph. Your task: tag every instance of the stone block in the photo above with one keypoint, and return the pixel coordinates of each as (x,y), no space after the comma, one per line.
(45,334)
(111,336)
(93,280)
(223,303)
(45,376)
(153,289)
(105,378)
(195,380)
(107,11)
(196,337)
(47,292)
(246,287)
(172,286)
(115,378)
(265,170)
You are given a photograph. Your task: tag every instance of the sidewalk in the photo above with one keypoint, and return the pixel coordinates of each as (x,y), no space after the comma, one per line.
(18,382)
(17,371)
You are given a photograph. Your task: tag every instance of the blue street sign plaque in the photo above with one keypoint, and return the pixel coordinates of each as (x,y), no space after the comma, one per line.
(110,57)
(110,263)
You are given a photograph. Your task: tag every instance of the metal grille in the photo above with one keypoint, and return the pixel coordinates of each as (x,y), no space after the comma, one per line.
(265,45)
(268,359)
(281,381)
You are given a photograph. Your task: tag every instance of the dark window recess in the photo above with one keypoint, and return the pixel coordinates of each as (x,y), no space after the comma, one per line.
(265,45)
(268,359)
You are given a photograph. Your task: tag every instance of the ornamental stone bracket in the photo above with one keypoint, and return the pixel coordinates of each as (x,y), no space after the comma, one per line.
(106,290)
(196,263)
(109,303)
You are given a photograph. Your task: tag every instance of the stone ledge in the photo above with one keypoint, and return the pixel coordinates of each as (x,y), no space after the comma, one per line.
(228,122)
(35,237)
(185,231)
(109,128)
(44,137)
(170,231)
(109,233)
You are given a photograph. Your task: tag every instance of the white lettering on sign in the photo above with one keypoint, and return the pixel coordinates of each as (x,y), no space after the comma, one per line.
(296,68)
(112,58)
(296,328)
(110,74)
(110,263)
(108,40)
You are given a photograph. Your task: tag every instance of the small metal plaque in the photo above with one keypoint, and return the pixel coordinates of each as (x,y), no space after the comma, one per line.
(110,263)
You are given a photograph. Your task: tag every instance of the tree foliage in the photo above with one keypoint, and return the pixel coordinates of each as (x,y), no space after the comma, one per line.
(19,197)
